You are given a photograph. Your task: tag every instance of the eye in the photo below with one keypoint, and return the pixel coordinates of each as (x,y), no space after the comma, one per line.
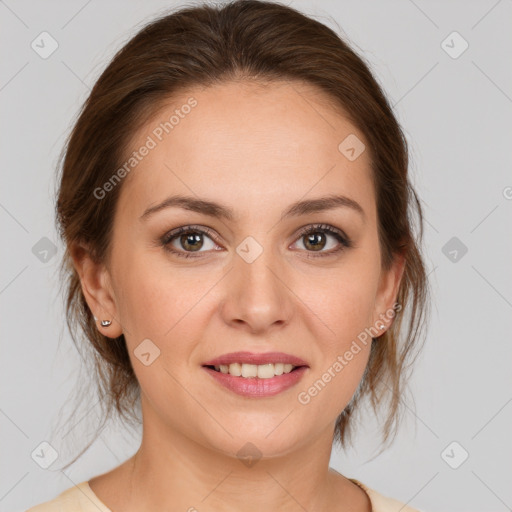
(315,238)
(187,240)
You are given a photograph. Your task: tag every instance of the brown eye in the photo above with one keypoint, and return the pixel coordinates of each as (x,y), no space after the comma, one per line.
(191,241)
(315,241)
(316,238)
(187,240)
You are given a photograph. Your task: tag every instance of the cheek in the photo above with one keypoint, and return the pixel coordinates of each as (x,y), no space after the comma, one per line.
(162,307)
(343,352)
(339,311)
(340,305)
(155,297)
(349,314)
(167,307)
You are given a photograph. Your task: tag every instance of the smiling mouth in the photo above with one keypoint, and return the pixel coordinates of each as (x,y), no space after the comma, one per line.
(262,371)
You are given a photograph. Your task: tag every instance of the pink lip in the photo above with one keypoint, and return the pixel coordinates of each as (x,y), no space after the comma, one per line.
(255,387)
(254,358)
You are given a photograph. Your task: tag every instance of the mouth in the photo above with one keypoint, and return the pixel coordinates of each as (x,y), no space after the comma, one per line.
(256,375)
(252,371)
(256,381)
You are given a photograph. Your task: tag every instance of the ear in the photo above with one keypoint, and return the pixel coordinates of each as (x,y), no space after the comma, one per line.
(96,287)
(387,292)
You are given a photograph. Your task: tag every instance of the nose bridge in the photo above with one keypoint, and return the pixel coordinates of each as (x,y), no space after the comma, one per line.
(257,294)
(257,266)
(261,273)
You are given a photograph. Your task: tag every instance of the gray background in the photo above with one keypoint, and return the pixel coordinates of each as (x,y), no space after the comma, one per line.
(456,113)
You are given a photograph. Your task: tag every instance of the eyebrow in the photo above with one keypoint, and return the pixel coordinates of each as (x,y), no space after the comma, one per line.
(217,210)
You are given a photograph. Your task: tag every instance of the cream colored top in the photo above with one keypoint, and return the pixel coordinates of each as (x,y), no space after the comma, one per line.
(81,498)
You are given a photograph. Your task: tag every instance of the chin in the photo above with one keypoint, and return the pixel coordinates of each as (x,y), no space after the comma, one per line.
(257,441)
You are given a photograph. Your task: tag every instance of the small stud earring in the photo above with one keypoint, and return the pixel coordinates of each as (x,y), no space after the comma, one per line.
(105,323)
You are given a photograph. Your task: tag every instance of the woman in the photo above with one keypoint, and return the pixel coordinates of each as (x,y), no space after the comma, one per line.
(236,209)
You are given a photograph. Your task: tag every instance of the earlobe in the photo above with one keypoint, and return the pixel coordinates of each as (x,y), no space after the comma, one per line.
(96,288)
(104,323)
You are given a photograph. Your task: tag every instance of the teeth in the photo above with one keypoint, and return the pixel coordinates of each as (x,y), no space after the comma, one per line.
(262,371)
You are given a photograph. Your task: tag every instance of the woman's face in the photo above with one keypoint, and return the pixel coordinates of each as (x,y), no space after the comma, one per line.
(254,283)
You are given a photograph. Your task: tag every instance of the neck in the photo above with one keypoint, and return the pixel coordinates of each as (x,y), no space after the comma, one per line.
(171,471)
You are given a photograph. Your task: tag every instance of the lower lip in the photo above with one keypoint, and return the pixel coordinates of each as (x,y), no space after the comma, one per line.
(256,387)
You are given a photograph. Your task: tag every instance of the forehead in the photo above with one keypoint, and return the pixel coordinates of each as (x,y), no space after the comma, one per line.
(251,144)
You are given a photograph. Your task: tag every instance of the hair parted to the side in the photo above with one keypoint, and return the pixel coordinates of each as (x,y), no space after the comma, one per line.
(262,42)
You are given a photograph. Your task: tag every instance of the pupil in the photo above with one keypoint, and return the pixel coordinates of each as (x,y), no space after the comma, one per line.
(189,240)
(314,236)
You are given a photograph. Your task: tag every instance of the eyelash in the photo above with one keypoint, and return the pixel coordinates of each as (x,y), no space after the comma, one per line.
(345,242)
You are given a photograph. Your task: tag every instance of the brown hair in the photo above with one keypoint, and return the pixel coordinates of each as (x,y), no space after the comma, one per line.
(204,45)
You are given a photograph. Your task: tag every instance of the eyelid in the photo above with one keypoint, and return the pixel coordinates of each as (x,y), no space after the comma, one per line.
(342,238)
(312,228)
(166,239)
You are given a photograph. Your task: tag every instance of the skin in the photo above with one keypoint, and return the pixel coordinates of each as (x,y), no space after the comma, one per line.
(255,149)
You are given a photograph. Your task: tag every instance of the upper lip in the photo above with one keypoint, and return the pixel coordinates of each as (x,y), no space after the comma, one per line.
(257,359)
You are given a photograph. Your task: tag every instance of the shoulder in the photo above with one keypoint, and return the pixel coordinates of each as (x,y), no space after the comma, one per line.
(381,503)
(78,498)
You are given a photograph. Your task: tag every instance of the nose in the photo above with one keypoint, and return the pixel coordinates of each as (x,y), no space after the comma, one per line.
(257,297)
